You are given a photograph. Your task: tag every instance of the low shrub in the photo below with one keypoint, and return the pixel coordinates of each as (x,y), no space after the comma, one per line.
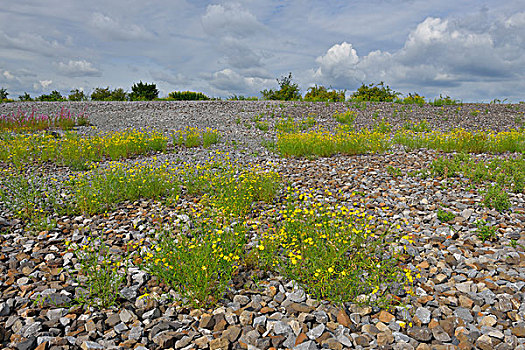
(187,96)
(375,93)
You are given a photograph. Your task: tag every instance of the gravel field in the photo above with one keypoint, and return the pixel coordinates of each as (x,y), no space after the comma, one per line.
(471,294)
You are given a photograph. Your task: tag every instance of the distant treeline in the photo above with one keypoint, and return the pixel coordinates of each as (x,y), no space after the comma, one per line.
(288,91)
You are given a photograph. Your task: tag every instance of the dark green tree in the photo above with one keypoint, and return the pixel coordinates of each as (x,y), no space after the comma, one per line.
(53,96)
(143,92)
(77,95)
(101,94)
(288,91)
(3,94)
(119,95)
(25,97)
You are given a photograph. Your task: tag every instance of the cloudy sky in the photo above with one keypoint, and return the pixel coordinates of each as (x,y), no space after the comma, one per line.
(470,50)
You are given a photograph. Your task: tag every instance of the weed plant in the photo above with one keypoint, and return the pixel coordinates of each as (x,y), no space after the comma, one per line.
(198,264)
(485,232)
(195,137)
(394,172)
(414,98)
(100,273)
(382,127)
(421,126)
(24,121)
(445,216)
(496,197)
(100,189)
(29,197)
(507,173)
(229,189)
(347,117)
(444,101)
(460,140)
(263,126)
(289,125)
(331,251)
(76,151)
(323,143)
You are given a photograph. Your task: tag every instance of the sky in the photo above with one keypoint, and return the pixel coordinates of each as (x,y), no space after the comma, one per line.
(469,50)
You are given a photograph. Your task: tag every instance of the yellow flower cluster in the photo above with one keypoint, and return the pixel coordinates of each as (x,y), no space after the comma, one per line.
(71,147)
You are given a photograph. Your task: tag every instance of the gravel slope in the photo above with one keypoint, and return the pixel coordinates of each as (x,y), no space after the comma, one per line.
(471,294)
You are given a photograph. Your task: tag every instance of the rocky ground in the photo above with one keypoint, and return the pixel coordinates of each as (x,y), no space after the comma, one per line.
(471,294)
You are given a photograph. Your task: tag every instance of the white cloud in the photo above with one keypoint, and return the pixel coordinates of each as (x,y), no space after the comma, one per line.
(42,84)
(230,20)
(230,81)
(234,31)
(30,42)
(173,79)
(438,52)
(429,46)
(113,29)
(340,63)
(80,68)
(8,75)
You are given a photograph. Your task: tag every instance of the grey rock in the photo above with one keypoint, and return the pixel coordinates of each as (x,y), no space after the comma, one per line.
(181,343)
(40,340)
(120,327)
(4,309)
(135,333)
(316,332)
(422,334)
(259,321)
(91,345)
(129,293)
(439,333)
(55,299)
(464,314)
(307,345)
(320,316)
(488,296)
(30,329)
(27,344)
(400,337)
(151,314)
(241,299)
(281,328)
(127,316)
(54,314)
(297,296)
(403,346)
(423,314)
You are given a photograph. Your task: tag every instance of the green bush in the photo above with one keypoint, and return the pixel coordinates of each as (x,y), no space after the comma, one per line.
(77,95)
(375,93)
(288,91)
(105,94)
(242,98)
(444,101)
(320,93)
(101,94)
(53,96)
(143,92)
(3,94)
(119,95)
(25,97)
(497,198)
(187,96)
(411,99)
